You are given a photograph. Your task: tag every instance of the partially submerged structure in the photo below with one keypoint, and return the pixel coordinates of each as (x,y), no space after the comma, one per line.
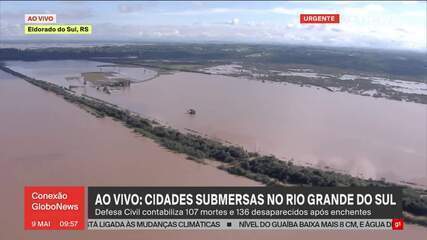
(191,111)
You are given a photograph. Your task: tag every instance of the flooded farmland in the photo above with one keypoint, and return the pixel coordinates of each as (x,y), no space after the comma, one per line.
(363,136)
(71,147)
(47,141)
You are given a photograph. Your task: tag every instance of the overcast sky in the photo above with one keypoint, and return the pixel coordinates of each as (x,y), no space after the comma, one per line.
(399,25)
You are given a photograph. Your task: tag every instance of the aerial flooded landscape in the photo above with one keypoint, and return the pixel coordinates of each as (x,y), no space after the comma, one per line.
(357,123)
(345,132)
(308,125)
(203,120)
(360,135)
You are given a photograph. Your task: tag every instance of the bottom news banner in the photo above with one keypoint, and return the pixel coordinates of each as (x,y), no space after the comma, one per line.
(213,208)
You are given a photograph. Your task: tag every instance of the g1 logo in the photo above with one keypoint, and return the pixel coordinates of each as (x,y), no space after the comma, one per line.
(397,224)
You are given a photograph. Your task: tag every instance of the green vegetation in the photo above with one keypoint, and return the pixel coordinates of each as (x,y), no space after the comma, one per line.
(105,79)
(260,60)
(266,169)
(403,63)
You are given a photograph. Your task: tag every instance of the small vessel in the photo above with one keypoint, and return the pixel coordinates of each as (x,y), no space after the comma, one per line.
(106,90)
(191,111)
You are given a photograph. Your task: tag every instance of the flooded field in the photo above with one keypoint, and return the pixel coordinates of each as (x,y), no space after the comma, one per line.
(47,141)
(73,72)
(361,135)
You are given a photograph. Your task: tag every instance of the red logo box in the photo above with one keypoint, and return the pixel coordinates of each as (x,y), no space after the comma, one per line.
(54,208)
(397,224)
(319,18)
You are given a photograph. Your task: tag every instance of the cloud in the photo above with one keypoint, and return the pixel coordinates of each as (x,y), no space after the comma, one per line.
(336,29)
(222,10)
(206,11)
(276,10)
(234,21)
(203,11)
(280,33)
(365,10)
(366,24)
(73,3)
(281,10)
(198,3)
(414,14)
(296,11)
(73,14)
(342,2)
(130,8)
(410,2)
(374,8)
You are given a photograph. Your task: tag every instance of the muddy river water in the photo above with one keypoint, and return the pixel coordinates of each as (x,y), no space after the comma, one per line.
(46,141)
(363,136)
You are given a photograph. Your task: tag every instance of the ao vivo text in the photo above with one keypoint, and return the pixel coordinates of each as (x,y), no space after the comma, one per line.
(153,199)
(40,18)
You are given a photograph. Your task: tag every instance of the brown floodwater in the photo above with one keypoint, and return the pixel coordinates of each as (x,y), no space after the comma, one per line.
(363,136)
(45,140)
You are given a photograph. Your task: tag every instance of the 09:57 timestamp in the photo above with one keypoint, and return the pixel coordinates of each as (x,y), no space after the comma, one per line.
(68,224)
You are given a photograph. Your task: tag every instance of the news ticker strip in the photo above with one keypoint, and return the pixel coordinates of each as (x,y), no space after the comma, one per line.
(198,208)
(243,224)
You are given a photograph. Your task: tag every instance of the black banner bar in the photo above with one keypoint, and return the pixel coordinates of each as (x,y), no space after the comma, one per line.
(244,202)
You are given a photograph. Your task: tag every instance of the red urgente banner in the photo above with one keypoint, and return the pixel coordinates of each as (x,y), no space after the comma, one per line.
(319,18)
